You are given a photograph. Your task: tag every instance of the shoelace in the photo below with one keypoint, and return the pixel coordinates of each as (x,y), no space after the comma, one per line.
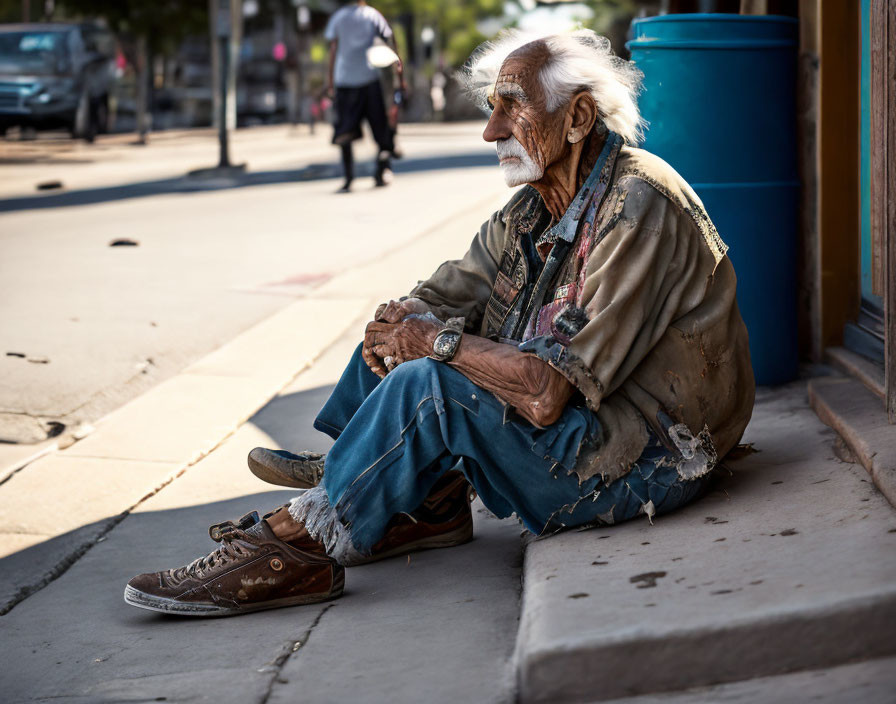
(228,552)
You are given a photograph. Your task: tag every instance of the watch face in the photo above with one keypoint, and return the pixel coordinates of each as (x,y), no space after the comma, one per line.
(445,344)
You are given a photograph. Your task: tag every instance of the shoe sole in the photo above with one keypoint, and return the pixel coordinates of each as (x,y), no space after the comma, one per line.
(459,536)
(273,476)
(161,604)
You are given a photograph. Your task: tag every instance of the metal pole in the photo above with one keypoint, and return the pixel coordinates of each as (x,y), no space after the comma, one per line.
(224,53)
(144,76)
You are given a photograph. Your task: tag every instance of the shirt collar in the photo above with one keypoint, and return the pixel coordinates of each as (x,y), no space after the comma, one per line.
(594,188)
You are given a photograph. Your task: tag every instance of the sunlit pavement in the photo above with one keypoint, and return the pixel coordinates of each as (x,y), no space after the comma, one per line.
(90,325)
(56,162)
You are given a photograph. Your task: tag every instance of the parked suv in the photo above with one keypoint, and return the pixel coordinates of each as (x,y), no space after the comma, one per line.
(56,75)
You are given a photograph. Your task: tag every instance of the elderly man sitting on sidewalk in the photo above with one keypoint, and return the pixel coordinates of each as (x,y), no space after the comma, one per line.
(583,363)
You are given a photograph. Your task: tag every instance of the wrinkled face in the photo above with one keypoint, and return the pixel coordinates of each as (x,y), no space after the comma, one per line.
(528,138)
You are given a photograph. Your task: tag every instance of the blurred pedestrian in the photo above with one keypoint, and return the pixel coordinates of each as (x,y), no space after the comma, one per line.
(355,85)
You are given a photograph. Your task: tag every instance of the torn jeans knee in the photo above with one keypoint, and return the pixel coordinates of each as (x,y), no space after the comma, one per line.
(653,486)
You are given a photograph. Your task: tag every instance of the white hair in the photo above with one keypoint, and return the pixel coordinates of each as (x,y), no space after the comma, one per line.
(579,60)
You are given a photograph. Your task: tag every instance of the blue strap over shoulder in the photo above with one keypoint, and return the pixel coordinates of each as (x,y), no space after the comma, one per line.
(569,224)
(564,232)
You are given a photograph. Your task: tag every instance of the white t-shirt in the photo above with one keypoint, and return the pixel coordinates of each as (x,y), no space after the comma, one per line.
(355,27)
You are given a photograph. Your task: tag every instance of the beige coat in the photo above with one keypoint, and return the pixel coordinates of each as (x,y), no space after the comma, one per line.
(661,339)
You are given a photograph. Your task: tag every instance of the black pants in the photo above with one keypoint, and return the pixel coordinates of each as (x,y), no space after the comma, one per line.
(356,104)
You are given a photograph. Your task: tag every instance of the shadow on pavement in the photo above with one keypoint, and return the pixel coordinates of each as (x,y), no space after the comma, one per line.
(77,639)
(289,419)
(312,172)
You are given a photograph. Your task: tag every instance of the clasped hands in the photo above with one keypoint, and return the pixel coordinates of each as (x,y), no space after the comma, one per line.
(393,338)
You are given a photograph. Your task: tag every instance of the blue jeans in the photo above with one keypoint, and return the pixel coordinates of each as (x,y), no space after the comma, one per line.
(395,437)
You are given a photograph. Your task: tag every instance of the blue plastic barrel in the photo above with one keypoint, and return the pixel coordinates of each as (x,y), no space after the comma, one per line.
(719,96)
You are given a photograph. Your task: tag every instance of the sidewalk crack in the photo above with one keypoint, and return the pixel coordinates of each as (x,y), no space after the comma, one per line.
(276,667)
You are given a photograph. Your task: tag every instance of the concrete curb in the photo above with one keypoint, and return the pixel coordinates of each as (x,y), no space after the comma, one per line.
(786,565)
(858,415)
(192,412)
(869,682)
(826,636)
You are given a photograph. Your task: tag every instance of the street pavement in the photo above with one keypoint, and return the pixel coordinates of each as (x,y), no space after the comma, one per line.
(88,326)
(286,277)
(776,587)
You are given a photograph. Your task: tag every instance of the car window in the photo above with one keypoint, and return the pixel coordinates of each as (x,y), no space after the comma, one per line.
(33,52)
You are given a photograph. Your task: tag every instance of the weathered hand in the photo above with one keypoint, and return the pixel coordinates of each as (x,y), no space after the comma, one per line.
(391,312)
(410,339)
(377,364)
(395,311)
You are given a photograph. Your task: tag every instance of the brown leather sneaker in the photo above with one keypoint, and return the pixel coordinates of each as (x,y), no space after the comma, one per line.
(443,520)
(302,471)
(251,571)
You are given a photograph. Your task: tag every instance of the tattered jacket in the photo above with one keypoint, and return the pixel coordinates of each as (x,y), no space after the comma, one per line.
(641,317)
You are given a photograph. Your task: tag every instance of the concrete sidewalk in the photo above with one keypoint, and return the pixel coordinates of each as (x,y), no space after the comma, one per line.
(89,326)
(792,572)
(403,631)
(140,492)
(788,565)
(779,586)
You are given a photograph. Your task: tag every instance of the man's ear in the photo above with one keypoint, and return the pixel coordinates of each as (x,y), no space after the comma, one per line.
(580,116)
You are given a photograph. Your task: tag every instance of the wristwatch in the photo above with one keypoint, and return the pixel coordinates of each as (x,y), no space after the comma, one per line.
(444,347)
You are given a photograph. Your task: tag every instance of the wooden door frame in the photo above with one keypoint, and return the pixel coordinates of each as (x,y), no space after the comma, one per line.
(838,148)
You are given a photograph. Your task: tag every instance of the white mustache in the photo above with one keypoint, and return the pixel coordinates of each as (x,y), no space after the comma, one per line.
(523,169)
(510,147)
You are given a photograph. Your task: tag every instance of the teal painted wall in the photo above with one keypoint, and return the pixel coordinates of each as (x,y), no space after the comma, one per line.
(865,158)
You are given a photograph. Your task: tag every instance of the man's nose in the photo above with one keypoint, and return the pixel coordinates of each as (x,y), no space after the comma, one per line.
(496,128)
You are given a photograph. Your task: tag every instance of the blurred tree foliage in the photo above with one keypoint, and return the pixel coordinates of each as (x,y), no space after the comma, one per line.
(10,10)
(455,23)
(163,23)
